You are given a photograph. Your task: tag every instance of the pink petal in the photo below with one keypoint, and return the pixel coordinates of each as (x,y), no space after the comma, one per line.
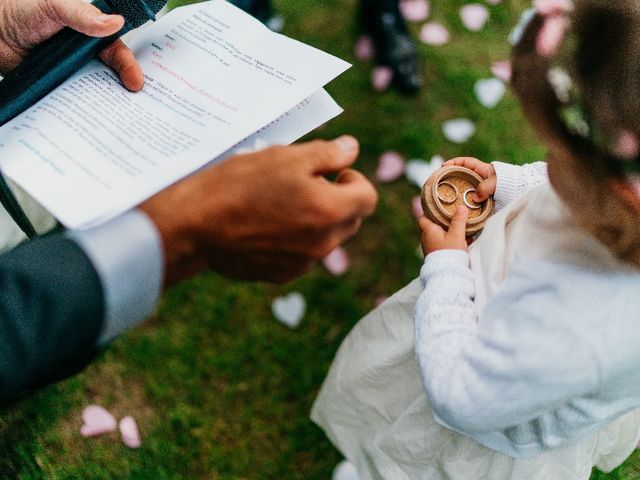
(364,48)
(634,180)
(390,167)
(130,433)
(416,206)
(337,262)
(434,34)
(502,70)
(627,145)
(414,10)
(552,7)
(551,35)
(97,420)
(474,16)
(381,78)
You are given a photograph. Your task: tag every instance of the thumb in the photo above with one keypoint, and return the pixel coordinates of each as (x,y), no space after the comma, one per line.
(459,223)
(485,189)
(327,157)
(86,18)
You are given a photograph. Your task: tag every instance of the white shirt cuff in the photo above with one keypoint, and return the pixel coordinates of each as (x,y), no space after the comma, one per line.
(128,257)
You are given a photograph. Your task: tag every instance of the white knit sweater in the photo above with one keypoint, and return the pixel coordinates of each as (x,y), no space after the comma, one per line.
(552,357)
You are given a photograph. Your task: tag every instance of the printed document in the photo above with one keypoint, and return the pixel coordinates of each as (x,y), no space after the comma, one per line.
(216,81)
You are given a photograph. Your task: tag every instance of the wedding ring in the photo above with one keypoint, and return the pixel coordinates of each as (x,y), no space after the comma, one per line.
(466,202)
(444,200)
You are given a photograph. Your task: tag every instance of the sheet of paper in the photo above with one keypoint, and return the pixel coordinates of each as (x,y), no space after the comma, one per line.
(308,115)
(214,76)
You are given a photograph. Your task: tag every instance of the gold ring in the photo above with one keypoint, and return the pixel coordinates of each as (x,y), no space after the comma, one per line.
(455,189)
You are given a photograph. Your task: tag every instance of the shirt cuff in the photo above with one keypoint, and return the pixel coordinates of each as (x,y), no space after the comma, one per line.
(128,257)
(444,262)
(508,183)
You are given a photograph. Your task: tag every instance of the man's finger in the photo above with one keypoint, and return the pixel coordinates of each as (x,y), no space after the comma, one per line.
(85,18)
(354,191)
(121,59)
(459,223)
(485,190)
(325,157)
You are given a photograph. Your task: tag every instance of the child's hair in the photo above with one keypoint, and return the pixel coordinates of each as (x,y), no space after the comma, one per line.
(585,97)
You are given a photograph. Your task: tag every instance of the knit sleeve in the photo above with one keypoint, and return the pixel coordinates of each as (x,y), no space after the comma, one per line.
(515,180)
(488,372)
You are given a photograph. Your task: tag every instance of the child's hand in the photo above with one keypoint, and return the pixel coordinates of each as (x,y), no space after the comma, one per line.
(434,237)
(488,186)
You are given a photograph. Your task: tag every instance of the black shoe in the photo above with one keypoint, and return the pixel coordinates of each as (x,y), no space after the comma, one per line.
(393,43)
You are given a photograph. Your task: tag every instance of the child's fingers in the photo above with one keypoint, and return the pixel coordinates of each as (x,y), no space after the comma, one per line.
(424,223)
(458,226)
(485,189)
(478,166)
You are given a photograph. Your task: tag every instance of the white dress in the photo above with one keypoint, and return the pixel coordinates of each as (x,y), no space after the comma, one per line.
(372,404)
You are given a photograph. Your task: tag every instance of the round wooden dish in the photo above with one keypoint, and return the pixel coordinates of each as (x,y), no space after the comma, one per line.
(446,190)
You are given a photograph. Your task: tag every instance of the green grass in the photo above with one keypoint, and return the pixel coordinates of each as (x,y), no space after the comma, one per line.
(220,390)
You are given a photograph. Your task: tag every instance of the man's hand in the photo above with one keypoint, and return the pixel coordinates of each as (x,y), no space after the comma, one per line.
(26,23)
(488,186)
(263,216)
(434,237)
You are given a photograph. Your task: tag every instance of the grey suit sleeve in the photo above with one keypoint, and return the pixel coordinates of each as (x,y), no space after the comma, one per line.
(61,299)
(51,313)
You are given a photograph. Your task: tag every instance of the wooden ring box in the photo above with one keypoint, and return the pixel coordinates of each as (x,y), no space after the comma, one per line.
(451,187)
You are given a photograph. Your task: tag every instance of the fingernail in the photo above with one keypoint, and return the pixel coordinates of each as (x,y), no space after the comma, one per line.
(104,18)
(347,143)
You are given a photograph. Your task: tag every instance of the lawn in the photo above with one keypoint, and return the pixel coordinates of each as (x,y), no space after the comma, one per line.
(219,388)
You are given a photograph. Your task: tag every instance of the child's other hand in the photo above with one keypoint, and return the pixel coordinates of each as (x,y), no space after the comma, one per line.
(488,186)
(434,237)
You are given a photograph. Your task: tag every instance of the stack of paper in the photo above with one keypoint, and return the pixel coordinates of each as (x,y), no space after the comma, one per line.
(216,80)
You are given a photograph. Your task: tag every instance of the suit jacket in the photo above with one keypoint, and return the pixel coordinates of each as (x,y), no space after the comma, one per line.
(51,313)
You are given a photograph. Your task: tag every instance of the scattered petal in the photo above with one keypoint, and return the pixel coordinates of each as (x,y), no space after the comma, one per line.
(290,309)
(345,470)
(489,91)
(275,23)
(552,7)
(414,10)
(634,180)
(516,34)
(418,171)
(97,420)
(380,300)
(551,35)
(130,433)
(390,167)
(416,206)
(474,16)
(337,262)
(434,34)
(381,78)
(365,50)
(561,83)
(458,130)
(502,70)
(627,145)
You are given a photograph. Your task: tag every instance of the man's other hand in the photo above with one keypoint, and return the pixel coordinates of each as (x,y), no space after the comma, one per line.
(263,216)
